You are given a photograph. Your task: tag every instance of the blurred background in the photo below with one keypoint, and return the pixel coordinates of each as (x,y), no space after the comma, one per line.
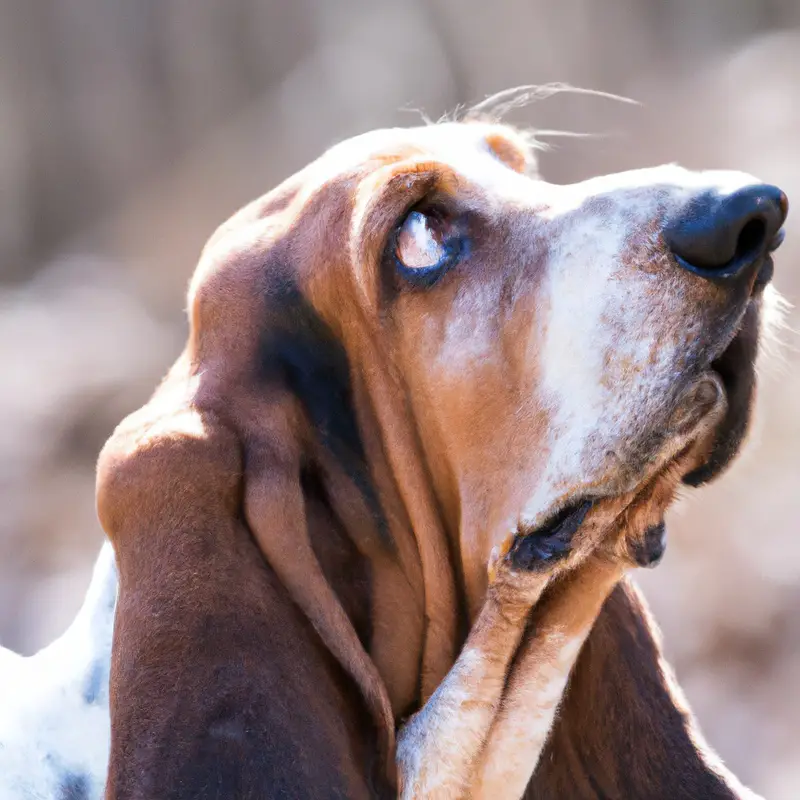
(128,131)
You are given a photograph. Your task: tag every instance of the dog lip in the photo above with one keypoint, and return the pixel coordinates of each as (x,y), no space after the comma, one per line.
(766,269)
(650,550)
(537,548)
(777,240)
(765,273)
(734,366)
(564,522)
(696,403)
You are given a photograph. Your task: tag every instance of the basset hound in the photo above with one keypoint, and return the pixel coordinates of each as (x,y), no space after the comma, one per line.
(373,526)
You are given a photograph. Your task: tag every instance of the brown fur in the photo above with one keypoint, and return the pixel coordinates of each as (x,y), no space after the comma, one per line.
(624,729)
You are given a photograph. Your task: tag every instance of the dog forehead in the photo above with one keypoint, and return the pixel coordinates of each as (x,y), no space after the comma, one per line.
(470,149)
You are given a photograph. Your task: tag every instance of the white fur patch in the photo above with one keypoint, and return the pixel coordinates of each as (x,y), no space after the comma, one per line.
(436,745)
(54,717)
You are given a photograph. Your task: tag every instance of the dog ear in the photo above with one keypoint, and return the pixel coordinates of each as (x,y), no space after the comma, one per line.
(222,672)
(624,729)
(302,411)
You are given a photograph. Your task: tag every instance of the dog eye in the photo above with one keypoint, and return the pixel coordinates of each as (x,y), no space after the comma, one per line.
(425,244)
(420,242)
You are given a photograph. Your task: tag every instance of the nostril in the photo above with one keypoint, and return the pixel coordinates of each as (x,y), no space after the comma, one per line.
(752,239)
(720,236)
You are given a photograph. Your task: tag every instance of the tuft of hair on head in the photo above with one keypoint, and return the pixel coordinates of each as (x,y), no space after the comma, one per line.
(497,105)
(419,112)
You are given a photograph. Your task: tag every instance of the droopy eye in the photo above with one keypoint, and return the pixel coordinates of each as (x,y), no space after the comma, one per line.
(424,245)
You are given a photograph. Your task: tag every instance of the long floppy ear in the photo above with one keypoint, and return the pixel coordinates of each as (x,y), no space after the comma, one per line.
(624,729)
(220,685)
(303,378)
(235,667)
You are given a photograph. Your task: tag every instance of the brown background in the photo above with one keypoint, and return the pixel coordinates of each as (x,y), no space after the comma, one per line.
(128,130)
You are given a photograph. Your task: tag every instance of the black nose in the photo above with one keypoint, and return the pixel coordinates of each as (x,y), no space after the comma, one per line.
(720,236)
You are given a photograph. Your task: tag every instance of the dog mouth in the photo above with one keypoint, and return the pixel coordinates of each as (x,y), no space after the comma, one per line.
(551,541)
(554,540)
(736,370)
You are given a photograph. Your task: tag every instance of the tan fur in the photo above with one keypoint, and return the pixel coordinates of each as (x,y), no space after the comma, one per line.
(535,686)
(438,746)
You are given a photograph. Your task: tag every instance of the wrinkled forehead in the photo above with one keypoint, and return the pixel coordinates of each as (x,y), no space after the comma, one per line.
(500,161)
(497,158)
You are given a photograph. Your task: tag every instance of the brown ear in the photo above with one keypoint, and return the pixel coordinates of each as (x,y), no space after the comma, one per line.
(624,729)
(220,685)
(275,513)
(235,667)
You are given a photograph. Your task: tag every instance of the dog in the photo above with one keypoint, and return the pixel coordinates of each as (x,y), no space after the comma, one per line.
(431,409)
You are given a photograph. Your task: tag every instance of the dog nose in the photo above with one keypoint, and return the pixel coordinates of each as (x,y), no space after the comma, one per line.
(720,236)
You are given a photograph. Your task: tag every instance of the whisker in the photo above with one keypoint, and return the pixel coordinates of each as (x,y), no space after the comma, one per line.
(500,103)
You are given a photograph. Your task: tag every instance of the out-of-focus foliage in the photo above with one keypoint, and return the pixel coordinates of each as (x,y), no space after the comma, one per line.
(129,130)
